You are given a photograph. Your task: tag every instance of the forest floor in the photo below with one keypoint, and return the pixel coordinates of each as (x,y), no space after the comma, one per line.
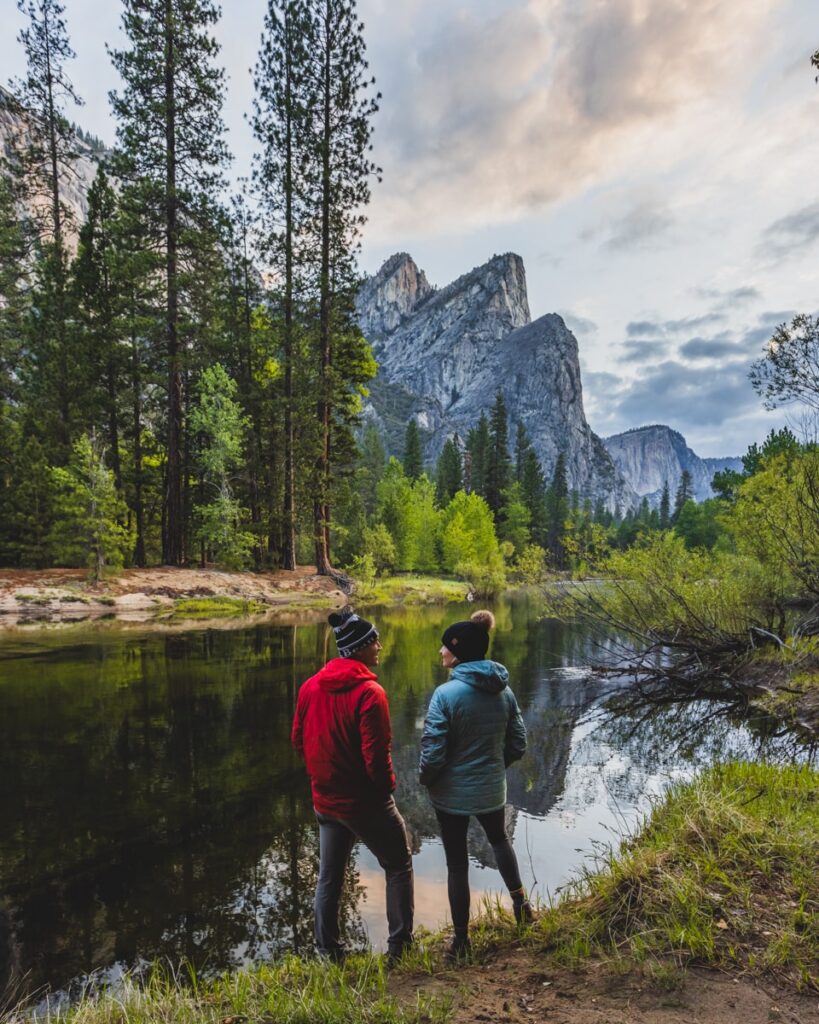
(143,594)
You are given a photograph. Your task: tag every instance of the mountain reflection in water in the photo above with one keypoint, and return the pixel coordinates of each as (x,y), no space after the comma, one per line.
(152,807)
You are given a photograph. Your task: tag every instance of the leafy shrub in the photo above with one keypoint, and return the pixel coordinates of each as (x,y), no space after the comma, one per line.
(379,547)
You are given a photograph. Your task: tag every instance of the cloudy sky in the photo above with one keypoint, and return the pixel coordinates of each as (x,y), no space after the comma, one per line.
(654,162)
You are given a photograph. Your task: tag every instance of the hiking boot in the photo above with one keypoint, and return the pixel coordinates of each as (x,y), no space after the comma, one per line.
(460,948)
(395,956)
(522,908)
(334,956)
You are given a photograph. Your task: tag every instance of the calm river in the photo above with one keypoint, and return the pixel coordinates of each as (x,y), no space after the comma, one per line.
(151,806)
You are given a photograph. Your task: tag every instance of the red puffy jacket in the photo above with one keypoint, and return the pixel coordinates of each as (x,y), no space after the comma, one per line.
(342,730)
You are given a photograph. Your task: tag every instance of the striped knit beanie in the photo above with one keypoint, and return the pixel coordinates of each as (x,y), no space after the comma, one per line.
(352,633)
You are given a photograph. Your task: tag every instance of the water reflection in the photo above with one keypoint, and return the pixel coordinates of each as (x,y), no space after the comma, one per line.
(152,806)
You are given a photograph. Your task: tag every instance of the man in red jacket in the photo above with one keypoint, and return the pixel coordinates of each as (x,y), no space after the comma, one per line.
(342,730)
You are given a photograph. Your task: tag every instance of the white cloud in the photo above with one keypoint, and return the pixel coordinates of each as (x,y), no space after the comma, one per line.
(496,116)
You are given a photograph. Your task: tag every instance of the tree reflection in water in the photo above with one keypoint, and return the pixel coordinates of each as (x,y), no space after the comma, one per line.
(152,806)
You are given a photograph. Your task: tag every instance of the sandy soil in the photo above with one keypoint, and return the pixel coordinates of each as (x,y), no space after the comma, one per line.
(520,985)
(65,594)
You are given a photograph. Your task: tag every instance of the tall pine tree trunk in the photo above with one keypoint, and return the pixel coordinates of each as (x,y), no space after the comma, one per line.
(289,539)
(63,386)
(139,511)
(320,505)
(255,431)
(172,542)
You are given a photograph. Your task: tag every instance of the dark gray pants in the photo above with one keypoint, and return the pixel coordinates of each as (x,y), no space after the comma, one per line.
(384,834)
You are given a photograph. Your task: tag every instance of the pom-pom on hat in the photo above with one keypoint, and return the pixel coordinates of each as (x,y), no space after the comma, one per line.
(469,640)
(352,633)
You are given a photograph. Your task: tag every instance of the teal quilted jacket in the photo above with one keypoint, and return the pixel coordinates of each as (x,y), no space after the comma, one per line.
(473,731)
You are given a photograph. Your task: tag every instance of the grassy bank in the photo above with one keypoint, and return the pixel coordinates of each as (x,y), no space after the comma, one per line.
(215,607)
(293,991)
(723,874)
(409,589)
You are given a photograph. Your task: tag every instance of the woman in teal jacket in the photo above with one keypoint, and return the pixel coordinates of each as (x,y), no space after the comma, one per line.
(473,731)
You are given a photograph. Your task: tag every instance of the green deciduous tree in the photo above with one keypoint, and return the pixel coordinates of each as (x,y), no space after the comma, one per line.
(218,424)
(467,532)
(789,370)
(394,510)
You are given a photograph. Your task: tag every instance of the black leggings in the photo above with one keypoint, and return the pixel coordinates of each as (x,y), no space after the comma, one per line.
(453,834)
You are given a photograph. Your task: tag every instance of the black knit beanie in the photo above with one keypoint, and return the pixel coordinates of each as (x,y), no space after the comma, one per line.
(352,633)
(469,640)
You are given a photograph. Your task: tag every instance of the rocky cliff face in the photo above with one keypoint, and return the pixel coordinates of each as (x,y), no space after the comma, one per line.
(443,356)
(74,187)
(648,456)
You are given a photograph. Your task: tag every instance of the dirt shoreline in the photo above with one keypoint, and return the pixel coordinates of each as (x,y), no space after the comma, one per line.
(66,595)
(521,984)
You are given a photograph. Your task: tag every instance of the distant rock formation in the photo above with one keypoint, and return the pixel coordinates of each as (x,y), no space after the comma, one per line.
(649,456)
(14,128)
(444,354)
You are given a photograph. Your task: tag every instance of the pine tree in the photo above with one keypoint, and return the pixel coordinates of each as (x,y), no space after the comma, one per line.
(42,159)
(514,519)
(684,494)
(13,302)
(413,456)
(137,278)
(338,173)
(88,512)
(477,445)
(170,135)
(281,122)
(98,292)
(13,309)
(499,467)
(449,477)
(665,508)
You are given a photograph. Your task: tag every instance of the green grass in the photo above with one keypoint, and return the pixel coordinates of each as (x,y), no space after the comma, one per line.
(411,589)
(215,607)
(292,991)
(724,873)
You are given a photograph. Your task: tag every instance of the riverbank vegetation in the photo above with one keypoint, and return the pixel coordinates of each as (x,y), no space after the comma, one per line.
(722,874)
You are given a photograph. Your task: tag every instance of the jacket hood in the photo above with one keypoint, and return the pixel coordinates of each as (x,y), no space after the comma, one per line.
(486,675)
(343,674)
